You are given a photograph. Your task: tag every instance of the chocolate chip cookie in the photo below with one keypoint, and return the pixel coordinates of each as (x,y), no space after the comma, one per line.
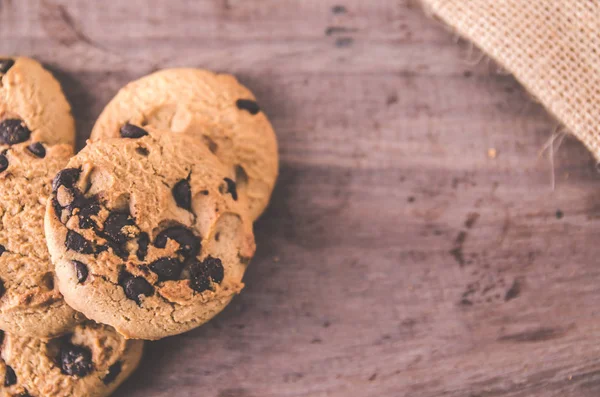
(148,233)
(36,135)
(91,361)
(214,108)
(32,105)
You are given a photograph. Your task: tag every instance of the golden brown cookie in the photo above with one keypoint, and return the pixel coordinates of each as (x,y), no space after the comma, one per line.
(213,107)
(92,361)
(32,105)
(30,155)
(31,304)
(148,233)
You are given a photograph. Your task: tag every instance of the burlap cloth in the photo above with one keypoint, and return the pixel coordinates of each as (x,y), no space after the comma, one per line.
(551,46)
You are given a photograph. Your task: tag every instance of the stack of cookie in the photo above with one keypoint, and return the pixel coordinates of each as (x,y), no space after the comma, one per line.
(148,230)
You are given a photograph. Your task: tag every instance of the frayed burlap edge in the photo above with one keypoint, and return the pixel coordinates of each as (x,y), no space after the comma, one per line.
(591,139)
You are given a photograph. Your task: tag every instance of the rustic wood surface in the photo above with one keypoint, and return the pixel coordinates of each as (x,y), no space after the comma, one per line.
(398,257)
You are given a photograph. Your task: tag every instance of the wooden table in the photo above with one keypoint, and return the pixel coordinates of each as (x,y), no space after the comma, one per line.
(414,245)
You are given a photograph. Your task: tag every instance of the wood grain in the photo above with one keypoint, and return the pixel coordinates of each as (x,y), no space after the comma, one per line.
(397,258)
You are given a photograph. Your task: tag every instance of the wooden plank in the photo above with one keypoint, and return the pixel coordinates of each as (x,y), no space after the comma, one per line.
(397,258)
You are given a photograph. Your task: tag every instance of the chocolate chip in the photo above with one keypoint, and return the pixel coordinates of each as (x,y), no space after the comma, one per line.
(135,286)
(142,151)
(231,188)
(132,131)
(113,372)
(118,249)
(248,105)
(101,248)
(202,272)
(2,288)
(75,360)
(57,208)
(189,244)
(10,378)
(37,149)
(13,131)
(6,64)
(3,162)
(114,224)
(88,207)
(78,200)
(215,270)
(1,337)
(87,210)
(182,193)
(2,250)
(81,270)
(198,279)
(67,178)
(85,222)
(142,250)
(166,268)
(78,243)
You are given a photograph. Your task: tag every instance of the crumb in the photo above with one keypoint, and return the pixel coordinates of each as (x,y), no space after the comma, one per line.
(492,153)
(275,259)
